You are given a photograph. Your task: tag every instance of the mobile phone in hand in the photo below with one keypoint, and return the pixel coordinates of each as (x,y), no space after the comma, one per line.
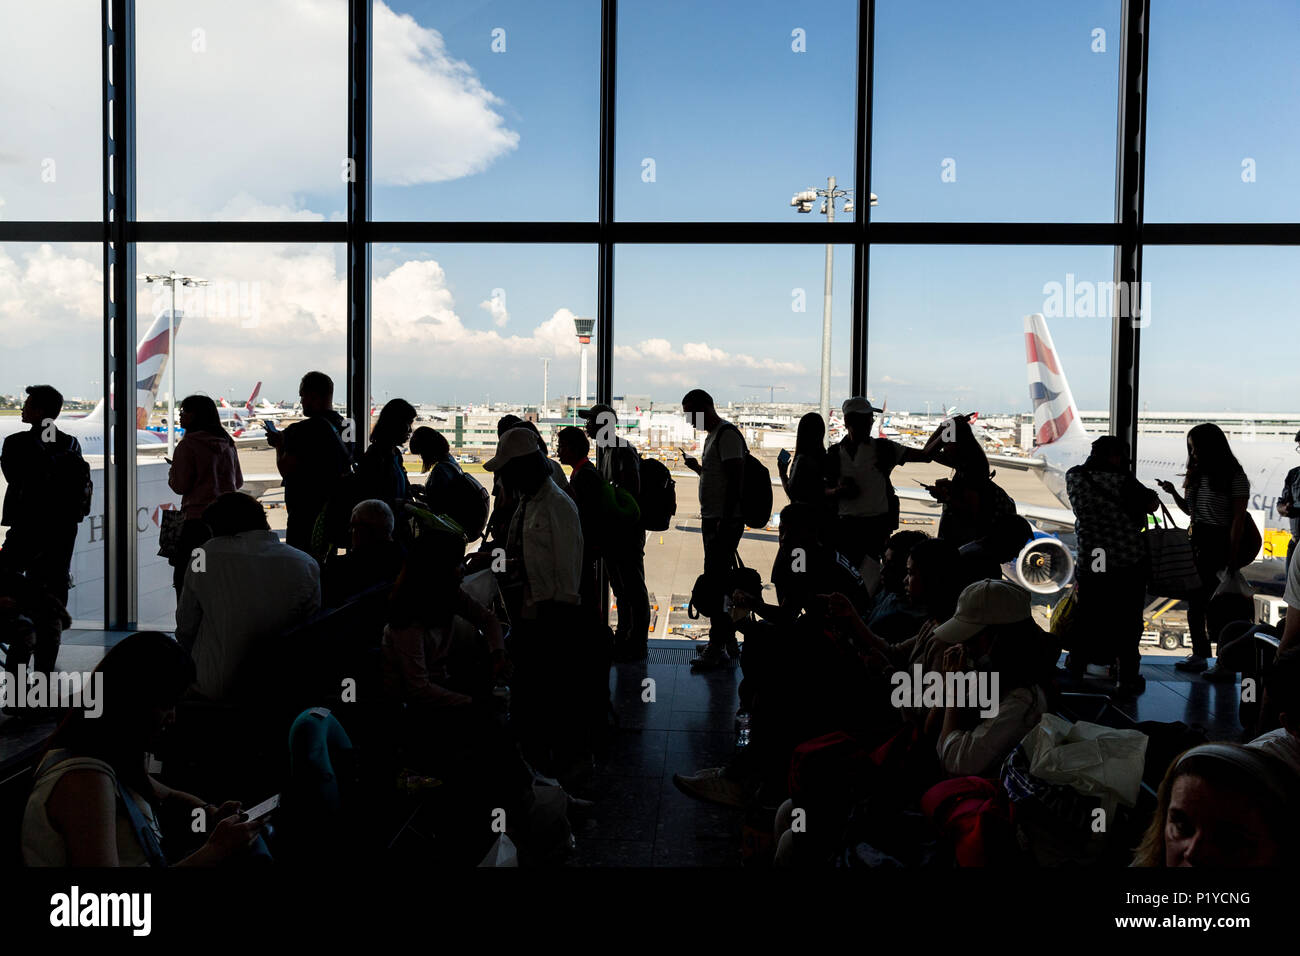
(263,808)
(271,426)
(783,456)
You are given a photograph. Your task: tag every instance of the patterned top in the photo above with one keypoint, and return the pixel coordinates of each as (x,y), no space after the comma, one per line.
(1101,519)
(1208,506)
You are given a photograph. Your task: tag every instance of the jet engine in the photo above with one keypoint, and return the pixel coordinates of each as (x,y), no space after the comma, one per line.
(1044,565)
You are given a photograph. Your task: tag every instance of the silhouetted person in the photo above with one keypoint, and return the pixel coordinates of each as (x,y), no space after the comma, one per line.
(381,473)
(77,813)
(721,470)
(542,586)
(46,498)
(312,456)
(858,467)
(587,489)
(804,476)
(1110,513)
(1288,504)
(248,589)
(620,465)
(1217,492)
(372,558)
(205,467)
(449,489)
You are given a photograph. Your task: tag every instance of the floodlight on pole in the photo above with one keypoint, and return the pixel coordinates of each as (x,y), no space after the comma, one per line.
(803,202)
(170,279)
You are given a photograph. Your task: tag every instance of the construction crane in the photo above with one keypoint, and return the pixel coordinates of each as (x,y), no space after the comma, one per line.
(771,391)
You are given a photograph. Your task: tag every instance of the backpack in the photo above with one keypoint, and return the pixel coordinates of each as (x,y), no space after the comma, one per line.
(468,502)
(755,489)
(69,482)
(658,498)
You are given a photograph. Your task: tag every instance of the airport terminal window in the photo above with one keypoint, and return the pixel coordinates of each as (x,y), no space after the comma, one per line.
(50,147)
(486,110)
(1223,141)
(242,109)
(966,113)
(268,314)
(51,308)
(744,323)
(469,333)
(725,110)
(1218,349)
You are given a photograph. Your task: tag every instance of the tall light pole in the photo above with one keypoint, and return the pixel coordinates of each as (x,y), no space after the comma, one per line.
(583,327)
(170,279)
(546,382)
(803,202)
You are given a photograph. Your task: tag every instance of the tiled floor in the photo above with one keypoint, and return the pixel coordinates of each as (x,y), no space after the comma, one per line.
(642,819)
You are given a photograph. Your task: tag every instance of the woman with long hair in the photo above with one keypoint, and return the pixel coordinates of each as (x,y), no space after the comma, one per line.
(1215,494)
(205,467)
(78,812)
(1222,805)
(381,473)
(804,476)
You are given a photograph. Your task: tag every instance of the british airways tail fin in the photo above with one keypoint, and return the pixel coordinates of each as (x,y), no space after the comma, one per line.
(1056,417)
(150,363)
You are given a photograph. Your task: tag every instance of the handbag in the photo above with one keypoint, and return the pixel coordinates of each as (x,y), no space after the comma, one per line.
(1172,568)
(1065,614)
(169,532)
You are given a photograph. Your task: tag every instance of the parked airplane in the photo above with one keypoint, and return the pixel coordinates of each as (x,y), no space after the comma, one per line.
(1045,564)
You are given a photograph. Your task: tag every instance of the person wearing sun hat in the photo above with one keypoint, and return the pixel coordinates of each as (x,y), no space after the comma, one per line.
(993,634)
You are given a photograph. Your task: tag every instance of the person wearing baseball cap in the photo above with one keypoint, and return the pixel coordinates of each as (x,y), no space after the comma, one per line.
(858,467)
(993,634)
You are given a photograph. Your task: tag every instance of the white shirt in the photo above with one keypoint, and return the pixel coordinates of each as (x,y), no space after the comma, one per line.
(251,589)
(552,545)
(723,443)
(979,752)
(874,497)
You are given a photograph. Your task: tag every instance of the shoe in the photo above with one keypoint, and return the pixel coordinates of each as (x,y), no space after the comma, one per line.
(1219,675)
(1193,664)
(713,786)
(1097,671)
(713,656)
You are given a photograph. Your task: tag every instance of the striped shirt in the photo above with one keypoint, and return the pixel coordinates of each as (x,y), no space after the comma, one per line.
(1207,506)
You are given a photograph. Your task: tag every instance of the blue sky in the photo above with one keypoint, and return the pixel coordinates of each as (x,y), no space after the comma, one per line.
(1016,101)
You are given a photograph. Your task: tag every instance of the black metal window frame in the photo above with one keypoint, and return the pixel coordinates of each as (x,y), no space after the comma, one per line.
(119,232)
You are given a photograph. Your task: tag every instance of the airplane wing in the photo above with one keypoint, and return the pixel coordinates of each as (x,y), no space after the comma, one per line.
(1061,519)
(1017,463)
(258,485)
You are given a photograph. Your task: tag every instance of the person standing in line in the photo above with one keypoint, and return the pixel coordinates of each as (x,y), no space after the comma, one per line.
(721,471)
(312,456)
(1288,504)
(1215,494)
(47,496)
(206,467)
(619,464)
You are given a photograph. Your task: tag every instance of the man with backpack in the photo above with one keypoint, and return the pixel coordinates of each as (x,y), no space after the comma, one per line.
(449,490)
(721,469)
(313,456)
(620,465)
(48,495)
(858,468)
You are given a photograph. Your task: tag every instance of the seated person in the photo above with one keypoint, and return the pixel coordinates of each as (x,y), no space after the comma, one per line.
(442,652)
(372,558)
(1282,682)
(243,590)
(899,609)
(805,566)
(993,636)
(77,814)
(1222,805)
(932,569)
